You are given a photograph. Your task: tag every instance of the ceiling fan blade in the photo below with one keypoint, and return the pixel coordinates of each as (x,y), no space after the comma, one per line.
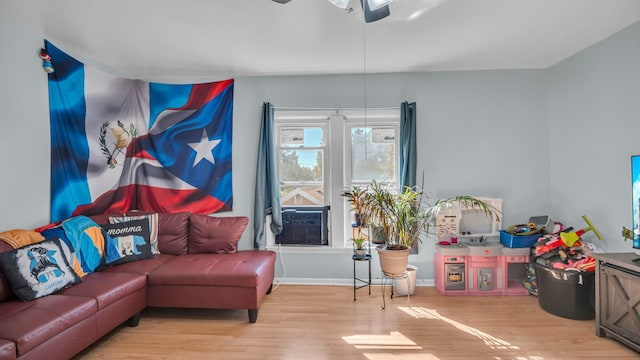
(342,4)
(377,4)
(373,15)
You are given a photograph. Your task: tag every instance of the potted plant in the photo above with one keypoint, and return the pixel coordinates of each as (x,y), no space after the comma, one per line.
(377,203)
(356,196)
(403,217)
(359,247)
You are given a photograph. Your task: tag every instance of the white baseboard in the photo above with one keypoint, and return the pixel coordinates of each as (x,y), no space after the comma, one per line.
(339,282)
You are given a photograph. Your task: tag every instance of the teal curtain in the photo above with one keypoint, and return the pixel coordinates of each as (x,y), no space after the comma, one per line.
(408,152)
(267,192)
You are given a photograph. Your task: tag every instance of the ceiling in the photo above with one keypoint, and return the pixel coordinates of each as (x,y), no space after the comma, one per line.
(163,39)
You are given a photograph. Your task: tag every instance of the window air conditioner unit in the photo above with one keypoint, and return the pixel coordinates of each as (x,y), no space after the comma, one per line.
(304,226)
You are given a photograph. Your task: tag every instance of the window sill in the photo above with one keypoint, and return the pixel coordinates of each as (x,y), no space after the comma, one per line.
(309,249)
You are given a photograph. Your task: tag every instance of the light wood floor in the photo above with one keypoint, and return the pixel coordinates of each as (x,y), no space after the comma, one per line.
(323,322)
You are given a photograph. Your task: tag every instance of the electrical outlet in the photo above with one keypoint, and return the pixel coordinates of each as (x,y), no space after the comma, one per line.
(627,233)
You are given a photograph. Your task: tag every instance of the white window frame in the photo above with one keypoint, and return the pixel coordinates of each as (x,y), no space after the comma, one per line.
(337,125)
(375,118)
(324,147)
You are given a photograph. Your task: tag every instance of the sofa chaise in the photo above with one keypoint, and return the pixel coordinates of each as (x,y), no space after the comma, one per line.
(198,266)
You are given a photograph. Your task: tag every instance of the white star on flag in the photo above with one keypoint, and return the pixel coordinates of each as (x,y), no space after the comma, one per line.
(204,148)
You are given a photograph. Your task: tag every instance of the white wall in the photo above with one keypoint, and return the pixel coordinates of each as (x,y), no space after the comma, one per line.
(481,133)
(24,139)
(516,134)
(594,117)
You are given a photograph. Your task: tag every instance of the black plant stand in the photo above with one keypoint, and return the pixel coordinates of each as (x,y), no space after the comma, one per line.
(357,282)
(391,278)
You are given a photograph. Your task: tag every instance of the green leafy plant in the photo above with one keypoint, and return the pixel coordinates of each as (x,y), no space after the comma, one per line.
(403,216)
(359,243)
(356,196)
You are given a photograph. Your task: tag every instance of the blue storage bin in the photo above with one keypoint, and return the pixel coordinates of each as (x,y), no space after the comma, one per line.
(518,241)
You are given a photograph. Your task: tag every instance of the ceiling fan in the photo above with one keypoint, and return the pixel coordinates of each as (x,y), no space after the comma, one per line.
(373,10)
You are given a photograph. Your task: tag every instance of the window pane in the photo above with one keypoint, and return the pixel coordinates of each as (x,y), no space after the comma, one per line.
(297,137)
(292,195)
(301,177)
(301,165)
(373,154)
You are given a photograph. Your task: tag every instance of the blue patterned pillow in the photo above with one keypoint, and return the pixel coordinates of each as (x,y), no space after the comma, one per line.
(36,270)
(131,238)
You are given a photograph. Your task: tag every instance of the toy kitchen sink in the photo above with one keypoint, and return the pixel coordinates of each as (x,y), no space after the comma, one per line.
(469,258)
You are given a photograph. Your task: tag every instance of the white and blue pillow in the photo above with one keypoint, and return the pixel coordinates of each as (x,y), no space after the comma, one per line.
(37,270)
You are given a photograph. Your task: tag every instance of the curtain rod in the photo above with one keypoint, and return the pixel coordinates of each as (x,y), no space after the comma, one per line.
(332,109)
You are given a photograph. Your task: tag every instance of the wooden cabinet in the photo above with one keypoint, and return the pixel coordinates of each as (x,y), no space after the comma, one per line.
(618,298)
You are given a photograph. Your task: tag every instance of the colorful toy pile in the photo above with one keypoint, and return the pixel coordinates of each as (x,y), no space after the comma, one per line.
(556,248)
(565,249)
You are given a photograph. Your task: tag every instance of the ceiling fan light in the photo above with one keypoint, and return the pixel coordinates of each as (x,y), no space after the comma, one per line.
(377,4)
(342,4)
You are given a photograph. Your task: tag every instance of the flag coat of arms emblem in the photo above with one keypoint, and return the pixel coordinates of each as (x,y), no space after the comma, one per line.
(124,144)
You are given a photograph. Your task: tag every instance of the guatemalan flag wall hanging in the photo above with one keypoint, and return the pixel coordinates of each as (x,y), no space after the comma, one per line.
(122,144)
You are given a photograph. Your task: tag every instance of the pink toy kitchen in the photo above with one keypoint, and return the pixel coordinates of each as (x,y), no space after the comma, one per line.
(469,257)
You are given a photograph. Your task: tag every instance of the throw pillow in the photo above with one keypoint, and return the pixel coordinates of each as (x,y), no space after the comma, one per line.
(70,253)
(18,237)
(88,243)
(219,235)
(173,233)
(153,227)
(131,238)
(36,270)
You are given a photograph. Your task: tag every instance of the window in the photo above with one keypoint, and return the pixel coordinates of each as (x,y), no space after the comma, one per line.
(301,158)
(323,152)
(370,154)
(373,153)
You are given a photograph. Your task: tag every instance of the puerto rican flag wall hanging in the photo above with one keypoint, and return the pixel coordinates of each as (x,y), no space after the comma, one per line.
(121,144)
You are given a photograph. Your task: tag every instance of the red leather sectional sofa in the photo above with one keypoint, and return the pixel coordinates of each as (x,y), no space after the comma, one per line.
(187,273)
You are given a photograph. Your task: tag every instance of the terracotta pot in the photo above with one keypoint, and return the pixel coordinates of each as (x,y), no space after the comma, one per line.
(394,261)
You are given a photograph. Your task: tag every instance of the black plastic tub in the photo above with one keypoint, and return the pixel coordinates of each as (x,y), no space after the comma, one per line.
(566,293)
